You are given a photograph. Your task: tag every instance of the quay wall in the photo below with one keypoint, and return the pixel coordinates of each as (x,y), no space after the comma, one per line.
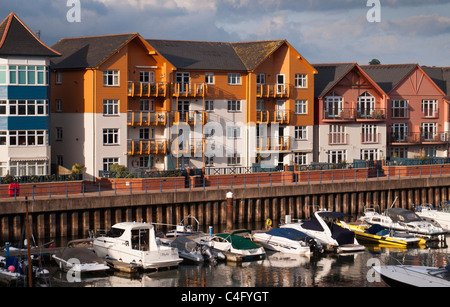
(75,216)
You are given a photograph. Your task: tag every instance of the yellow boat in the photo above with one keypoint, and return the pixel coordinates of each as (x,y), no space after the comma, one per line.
(380,235)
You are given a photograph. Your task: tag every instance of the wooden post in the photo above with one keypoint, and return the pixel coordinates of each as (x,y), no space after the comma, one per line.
(229,211)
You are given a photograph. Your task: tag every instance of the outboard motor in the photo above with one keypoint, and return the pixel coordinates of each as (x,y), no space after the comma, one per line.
(314,245)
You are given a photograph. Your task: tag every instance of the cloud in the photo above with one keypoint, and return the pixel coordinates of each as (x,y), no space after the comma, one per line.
(422,25)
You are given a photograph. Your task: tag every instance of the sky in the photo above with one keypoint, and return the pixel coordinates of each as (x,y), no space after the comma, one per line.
(408,31)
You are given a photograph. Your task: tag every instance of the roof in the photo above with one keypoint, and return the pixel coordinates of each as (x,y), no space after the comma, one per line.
(18,40)
(328,75)
(440,76)
(88,52)
(195,55)
(388,76)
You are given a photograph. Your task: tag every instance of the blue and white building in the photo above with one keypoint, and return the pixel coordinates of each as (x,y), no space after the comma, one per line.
(24,100)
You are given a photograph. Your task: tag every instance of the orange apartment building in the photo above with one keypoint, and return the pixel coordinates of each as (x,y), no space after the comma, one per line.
(159,104)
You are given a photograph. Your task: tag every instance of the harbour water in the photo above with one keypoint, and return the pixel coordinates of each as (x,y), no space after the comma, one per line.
(277,270)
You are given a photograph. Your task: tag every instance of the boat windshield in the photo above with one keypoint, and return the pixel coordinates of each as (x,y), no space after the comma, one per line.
(115,233)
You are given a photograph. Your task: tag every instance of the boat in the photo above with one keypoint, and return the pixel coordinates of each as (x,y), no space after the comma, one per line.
(331,236)
(14,270)
(235,245)
(184,229)
(403,220)
(414,276)
(193,251)
(287,240)
(380,235)
(79,260)
(135,245)
(439,216)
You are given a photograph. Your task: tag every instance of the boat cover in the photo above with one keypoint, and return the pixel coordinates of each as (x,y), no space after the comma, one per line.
(402,215)
(341,235)
(377,229)
(238,242)
(288,233)
(184,243)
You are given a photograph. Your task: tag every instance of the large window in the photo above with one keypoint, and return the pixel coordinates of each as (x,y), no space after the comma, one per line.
(234,106)
(107,162)
(29,168)
(110,107)
(24,107)
(301,81)
(300,158)
(333,106)
(23,138)
(24,75)
(429,108)
(301,107)
(110,136)
(301,133)
(337,156)
(369,134)
(234,159)
(399,108)
(111,78)
(234,79)
(366,105)
(429,131)
(369,154)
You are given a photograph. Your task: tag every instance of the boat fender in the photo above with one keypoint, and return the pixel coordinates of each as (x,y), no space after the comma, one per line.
(268,224)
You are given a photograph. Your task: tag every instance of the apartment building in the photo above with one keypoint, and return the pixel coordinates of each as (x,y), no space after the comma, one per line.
(417,117)
(159,104)
(24,100)
(351,119)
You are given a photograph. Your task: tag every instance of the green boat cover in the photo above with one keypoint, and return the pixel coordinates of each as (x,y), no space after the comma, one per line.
(238,242)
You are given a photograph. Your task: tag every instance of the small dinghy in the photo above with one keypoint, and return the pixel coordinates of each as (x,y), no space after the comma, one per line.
(79,259)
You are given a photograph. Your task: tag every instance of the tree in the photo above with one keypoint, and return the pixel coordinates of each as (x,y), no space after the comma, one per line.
(375,62)
(78,169)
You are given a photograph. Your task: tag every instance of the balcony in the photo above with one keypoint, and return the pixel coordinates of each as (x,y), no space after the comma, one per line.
(270,144)
(146,147)
(370,138)
(339,115)
(273,90)
(191,117)
(190,89)
(338,139)
(147,118)
(145,89)
(426,137)
(371,114)
(281,117)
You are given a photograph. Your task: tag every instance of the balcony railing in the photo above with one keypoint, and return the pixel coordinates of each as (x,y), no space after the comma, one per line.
(419,138)
(145,89)
(190,89)
(370,138)
(191,117)
(338,139)
(282,117)
(273,90)
(279,143)
(371,114)
(339,114)
(147,118)
(147,147)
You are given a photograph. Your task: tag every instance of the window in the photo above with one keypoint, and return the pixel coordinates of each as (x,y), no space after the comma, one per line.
(147,76)
(234,159)
(260,105)
(301,133)
(110,107)
(429,108)
(337,135)
(24,107)
(399,132)
(429,152)
(29,168)
(399,152)
(301,81)
(429,131)
(146,105)
(110,136)
(209,161)
(369,154)
(27,75)
(233,132)
(337,156)
(333,106)
(366,105)
(369,134)
(300,158)
(111,78)
(24,138)
(3,138)
(60,160)
(399,108)
(3,73)
(209,78)
(107,162)
(59,134)
(59,105)
(146,134)
(301,107)
(209,105)
(260,79)
(234,106)
(234,79)
(145,162)
(58,77)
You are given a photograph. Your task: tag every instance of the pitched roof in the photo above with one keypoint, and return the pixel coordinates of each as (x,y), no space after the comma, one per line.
(195,55)
(388,76)
(18,40)
(88,52)
(328,75)
(440,76)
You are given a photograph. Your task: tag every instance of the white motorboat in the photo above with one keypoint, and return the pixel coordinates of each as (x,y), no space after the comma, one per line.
(235,245)
(135,244)
(287,240)
(331,236)
(79,260)
(440,216)
(414,276)
(403,220)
